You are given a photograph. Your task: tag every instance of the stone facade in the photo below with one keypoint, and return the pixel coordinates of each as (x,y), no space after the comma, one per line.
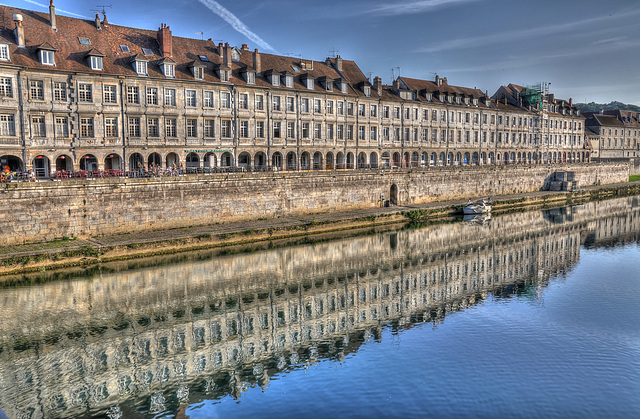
(45,211)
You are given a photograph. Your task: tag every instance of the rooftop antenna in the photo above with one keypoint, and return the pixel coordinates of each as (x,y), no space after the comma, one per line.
(101,10)
(293,54)
(369,74)
(201,35)
(334,52)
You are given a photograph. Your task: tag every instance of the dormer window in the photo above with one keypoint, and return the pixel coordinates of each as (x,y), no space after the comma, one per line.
(251,77)
(46,54)
(310,82)
(367,91)
(288,81)
(329,85)
(466,100)
(168,68)
(475,102)
(341,85)
(450,98)
(4,52)
(441,97)
(235,55)
(94,57)
(428,96)
(223,73)
(140,65)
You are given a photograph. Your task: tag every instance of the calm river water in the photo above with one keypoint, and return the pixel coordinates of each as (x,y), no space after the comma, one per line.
(532,314)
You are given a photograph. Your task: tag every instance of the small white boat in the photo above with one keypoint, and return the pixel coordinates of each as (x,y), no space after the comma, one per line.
(477,207)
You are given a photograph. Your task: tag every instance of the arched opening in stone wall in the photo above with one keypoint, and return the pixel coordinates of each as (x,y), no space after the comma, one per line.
(292,163)
(330,162)
(42,166)
(64,163)
(154,159)
(433,159)
(317,161)
(172,160)
(210,160)
(305,161)
(393,194)
(362,160)
(244,160)
(350,160)
(276,160)
(112,162)
(386,159)
(13,163)
(396,159)
(135,162)
(340,163)
(260,161)
(88,162)
(373,160)
(192,161)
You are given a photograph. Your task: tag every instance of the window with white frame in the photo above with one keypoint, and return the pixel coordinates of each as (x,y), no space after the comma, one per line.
(110,93)
(340,107)
(251,77)
(224,75)
(169,97)
(152,95)
(259,102)
(198,73)
(367,91)
(260,129)
(47,57)
(86,127)
(7,125)
(95,62)
(209,128)
(277,129)
(329,131)
(171,127)
(304,105)
(291,104)
(190,98)
(134,127)
(317,131)
(36,89)
(85,92)
(6,87)
(169,70)
(4,52)
(317,106)
(133,94)
(244,129)
(225,100)
(349,132)
(60,91)
(330,107)
(291,129)
(350,108)
(305,130)
(207,99)
(225,128)
(61,127)
(288,80)
(340,132)
(141,68)
(192,127)
(243,101)
(361,132)
(153,127)
(110,126)
(373,134)
(276,103)
(361,110)
(38,127)
(373,111)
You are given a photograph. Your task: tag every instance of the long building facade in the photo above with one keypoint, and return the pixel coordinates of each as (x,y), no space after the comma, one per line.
(87,95)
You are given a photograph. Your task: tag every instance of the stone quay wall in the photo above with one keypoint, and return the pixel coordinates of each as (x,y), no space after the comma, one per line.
(49,210)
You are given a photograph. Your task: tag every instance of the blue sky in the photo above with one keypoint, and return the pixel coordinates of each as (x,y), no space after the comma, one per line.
(588,50)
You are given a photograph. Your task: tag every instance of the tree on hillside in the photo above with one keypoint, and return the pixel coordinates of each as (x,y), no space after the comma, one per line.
(615,105)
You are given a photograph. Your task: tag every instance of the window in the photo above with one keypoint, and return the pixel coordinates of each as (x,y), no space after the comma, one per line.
(61,127)
(224,75)
(169,70)
(124,48)
(95,62)
(225,128)
(225,100)
(277,129)
(291,129)
(190,98)
(244,101)
(317,131)
(198,73)
(153,127)
(47,57)
(350,108)
(373,111)
(340,107)
(251,77)
(152,95)
(288,81)
(203,58)
(86,127)
(38,127)
(385,134)
(133,94)
(367,91)
(6,87)
(396,111)
(330,107)
(84,92)
(141,68)
(317,106)
(192,127)
(36,89)
(7,125)
(170,127)
(111,127)
(170,97)
(373,134)
(329,131)
(340,132)
(291,104)
(361,110)
(134,127)
(304,105)
(305,130)
(260,129)
(361,132)
(207,99)
(349,132)
(209,128)
(4,52)
(259,102)
(147,51)
(60,91)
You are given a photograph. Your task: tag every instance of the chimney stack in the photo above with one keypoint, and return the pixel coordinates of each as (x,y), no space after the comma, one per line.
(570,101)
(437,80)
(19,31)
(339,63)
(377,84)
(245,47)
(52,15)
(98,25)
(257,62)
(227,55)
(164,39)
(105,23)
(220,50)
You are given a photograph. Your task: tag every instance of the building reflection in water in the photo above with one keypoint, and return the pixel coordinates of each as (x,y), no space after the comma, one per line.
(161,338)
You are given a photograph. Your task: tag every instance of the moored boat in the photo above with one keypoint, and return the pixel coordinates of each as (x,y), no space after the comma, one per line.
(477,207)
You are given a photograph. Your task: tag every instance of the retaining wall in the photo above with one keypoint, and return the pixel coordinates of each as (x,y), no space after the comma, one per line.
(48,210)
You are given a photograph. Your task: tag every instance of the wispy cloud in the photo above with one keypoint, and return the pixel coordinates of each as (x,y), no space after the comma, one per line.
(512,36)
(412,7)
(235,23)
(46,6)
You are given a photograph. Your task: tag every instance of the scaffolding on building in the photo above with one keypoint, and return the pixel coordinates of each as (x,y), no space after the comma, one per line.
(533,95)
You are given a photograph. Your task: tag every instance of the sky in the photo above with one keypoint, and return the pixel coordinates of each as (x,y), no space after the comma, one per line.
(588,50)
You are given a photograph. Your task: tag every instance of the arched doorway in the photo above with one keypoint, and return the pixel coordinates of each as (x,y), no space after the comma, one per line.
(244,160)
(154,159)
(135,162)
(362,160)
(305,161)
(260,161)
(340,160)
(474,158)
(64,163)
(12,162)
(423,159)
(192,161)
(350,160)
(88,162)
(373,160)
(276,160)
(458,158)
(317,161)
(441,159)
(226,160)
(449,159)
(414,159)
(393,194)
(433,159)
(292,163)
(386,159)
(172,160)
(112,162)
(330,162)
(396,159)
(405,160)
(41,166)
(210,160)
(466,159)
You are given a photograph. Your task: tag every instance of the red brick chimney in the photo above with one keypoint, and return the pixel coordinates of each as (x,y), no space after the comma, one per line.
(220,50)
(257,62)
(227,55)
(377,84)
(570,101)
(105,22)
(164,39)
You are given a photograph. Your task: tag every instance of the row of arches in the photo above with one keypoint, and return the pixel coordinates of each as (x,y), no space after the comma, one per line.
(43,166)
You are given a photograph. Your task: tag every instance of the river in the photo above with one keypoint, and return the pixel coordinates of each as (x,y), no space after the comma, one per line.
(531,314)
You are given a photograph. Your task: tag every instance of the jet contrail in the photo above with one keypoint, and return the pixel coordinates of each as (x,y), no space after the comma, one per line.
(235,23)
(45,6)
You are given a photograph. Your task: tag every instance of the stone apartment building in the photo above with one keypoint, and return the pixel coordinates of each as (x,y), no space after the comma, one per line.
(617,133)
(84,95)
